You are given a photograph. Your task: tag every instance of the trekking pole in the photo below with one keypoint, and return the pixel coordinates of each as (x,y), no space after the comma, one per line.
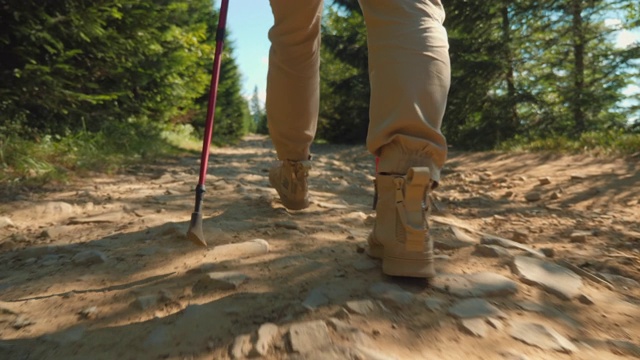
(195,234)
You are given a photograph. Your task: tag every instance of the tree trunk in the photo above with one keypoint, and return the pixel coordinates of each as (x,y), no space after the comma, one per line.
(577,102)
(509,74)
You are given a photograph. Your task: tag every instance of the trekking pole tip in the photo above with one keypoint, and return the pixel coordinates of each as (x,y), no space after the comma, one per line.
(195,234)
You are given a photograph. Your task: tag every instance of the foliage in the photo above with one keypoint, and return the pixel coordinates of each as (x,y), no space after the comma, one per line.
(344,109)
(607,142)
(53,157)
(94,84)
(258,113)
(522,70)
(73,65)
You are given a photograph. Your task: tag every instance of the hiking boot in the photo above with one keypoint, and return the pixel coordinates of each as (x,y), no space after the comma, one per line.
(289,178)
(400,235)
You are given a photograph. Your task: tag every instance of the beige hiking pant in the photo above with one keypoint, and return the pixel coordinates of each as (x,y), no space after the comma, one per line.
(409,72)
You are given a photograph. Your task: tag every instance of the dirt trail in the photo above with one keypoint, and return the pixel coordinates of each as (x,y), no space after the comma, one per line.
(100,269)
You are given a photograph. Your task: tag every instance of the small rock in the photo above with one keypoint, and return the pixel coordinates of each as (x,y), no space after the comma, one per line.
(89,257)
(342,314)
(361,307)
(510,244)
(553,278)
(463,236)
(330,206)
(475,285)
(512,355)
(544,181)
(508,194)
(540,336)
(391,292)
(577,177)
(6,222)
(360,248)
(144,302)
(548,252)
(288,225)
(554,195)
(112,217)
(620,280)
(341,327)
(22,321)
(475,327)
(474,308)
(8,312)
(533,196)
(495,323)
(89,313)
(241,347)
(531,306)
(585,299)
(492,251)
(57,209)
(460,240)
(166,296)
(355,218)
(267,334)
(433,304)
(308,336)
(52,232)
(235,251)
(365,264)
(579,236)
(226,280)
(520,236)
(315,299)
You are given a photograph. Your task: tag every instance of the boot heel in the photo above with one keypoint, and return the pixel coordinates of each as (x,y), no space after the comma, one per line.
(420,268)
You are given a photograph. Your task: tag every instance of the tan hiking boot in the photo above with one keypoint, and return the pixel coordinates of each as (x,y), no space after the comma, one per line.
(289,178)
(400,235)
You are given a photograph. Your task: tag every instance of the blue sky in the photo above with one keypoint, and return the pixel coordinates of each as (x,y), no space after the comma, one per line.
(249,22)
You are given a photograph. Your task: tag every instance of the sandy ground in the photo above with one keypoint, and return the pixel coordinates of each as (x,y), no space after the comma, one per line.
(101,269)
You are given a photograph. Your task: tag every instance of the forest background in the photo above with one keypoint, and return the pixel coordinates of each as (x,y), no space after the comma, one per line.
(97,85)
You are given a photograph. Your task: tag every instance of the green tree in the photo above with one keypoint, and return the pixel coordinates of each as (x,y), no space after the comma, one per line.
(72,65)
(258,113)
(345,91)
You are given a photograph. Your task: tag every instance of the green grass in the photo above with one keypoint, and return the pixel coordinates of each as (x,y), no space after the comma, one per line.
(611,142)
(53,159)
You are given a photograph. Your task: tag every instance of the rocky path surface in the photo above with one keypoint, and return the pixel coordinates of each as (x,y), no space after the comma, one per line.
(538,257)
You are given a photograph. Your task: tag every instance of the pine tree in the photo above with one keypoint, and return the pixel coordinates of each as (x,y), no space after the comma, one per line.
(258,113)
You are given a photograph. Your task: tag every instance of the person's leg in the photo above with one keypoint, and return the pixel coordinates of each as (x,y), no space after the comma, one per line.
(293,81)
(410,76)
(293,95)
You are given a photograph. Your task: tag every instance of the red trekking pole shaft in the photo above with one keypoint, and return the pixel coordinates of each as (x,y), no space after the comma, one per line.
(195,233)
(213,92)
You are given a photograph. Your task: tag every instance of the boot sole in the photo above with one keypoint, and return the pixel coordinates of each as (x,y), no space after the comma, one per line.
(408,267)
(300,205)
(393,266)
